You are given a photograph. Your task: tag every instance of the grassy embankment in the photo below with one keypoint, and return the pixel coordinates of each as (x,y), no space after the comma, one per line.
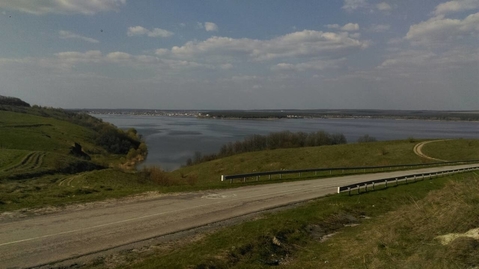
(387,228)
(36,169)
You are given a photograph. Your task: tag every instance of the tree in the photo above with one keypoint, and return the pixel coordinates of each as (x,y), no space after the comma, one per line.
(366,138)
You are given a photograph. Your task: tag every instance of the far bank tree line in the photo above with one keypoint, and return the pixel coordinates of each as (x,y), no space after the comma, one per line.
(285,139)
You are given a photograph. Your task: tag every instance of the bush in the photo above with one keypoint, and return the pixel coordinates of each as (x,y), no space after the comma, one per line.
(366,139)
(158,176)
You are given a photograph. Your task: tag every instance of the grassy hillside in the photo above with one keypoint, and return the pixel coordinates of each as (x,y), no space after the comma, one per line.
(364,154)
(397,227)
(37,152)
(457,149)
(37,168)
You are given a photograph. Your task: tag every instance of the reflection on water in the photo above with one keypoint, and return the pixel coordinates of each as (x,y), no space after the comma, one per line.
(172,140)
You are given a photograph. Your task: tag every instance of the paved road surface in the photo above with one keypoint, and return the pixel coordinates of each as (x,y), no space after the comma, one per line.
(38,240)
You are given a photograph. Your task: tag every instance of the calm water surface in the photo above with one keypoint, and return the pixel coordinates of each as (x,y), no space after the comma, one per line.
(172,140)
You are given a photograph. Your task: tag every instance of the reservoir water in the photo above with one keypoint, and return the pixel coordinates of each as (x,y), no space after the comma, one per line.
(172,140)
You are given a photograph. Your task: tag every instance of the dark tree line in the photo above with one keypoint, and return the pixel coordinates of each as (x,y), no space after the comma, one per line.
(285,139)
(12,101)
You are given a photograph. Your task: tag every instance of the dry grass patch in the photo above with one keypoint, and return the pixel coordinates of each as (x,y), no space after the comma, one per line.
(407,237)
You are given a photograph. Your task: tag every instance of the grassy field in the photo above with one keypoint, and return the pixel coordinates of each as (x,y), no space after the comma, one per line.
(53,190)
(35,162)
(350,155)
(448,149)
(31,132)
(64,189)
(374,230)
(35,158)
(389,228)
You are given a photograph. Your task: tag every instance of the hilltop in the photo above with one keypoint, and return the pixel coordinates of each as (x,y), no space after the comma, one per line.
(40,147)
(12,101)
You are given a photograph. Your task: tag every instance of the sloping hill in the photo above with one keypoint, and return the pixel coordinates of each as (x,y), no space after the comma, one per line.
(39,140)
(12,101)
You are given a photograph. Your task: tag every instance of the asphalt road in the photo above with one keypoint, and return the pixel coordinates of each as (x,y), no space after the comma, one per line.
(48,238)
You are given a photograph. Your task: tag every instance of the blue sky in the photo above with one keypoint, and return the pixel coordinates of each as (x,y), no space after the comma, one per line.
(369,54)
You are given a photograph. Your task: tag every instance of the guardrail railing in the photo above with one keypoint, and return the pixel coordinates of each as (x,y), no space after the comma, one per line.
(257,175)
(396,180)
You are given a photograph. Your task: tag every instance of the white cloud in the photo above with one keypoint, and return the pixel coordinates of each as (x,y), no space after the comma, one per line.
(79,57)
(306,43)
(350,27)
(118,56)
(69,59)
(346,27)
(355,35)
(161,52)
(383,6)
(407,58)
(352,5)
(211,27)
(40,7)
(243,78)
(439,30)
(226,66)
(136,30)
(156,32)
(456,6)
(70,35)
(333,26)
(379,28)
(312,65)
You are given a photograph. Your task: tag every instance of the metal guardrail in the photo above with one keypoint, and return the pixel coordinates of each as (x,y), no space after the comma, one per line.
(396,180)
(364,168)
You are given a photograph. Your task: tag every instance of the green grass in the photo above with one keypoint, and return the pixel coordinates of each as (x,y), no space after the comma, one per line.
(64,189)
(31,132)
(198,177)
(365,154)
(11,157)
(397,229)
(34,155)
(34,158)
(457,149)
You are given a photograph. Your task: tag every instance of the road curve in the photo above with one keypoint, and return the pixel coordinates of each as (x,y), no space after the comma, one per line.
(40,240)
(418,150)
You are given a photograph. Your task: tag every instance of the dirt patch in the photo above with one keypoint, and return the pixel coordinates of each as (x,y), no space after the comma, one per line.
(448,238)
(23,213)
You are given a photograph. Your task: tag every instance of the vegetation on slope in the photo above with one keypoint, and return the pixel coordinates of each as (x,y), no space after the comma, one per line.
(40,147)
(347,155)
(278,140)
(397,227)
(457,149)
(52,157)
(12,101)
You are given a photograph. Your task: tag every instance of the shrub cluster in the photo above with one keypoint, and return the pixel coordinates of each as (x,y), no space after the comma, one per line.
(115,140)
(366,139)
(285,139)
(162,178)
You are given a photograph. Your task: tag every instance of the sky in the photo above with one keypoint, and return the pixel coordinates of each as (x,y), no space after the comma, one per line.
(243,54)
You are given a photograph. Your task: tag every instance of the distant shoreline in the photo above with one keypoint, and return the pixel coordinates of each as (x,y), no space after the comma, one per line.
(470,116)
